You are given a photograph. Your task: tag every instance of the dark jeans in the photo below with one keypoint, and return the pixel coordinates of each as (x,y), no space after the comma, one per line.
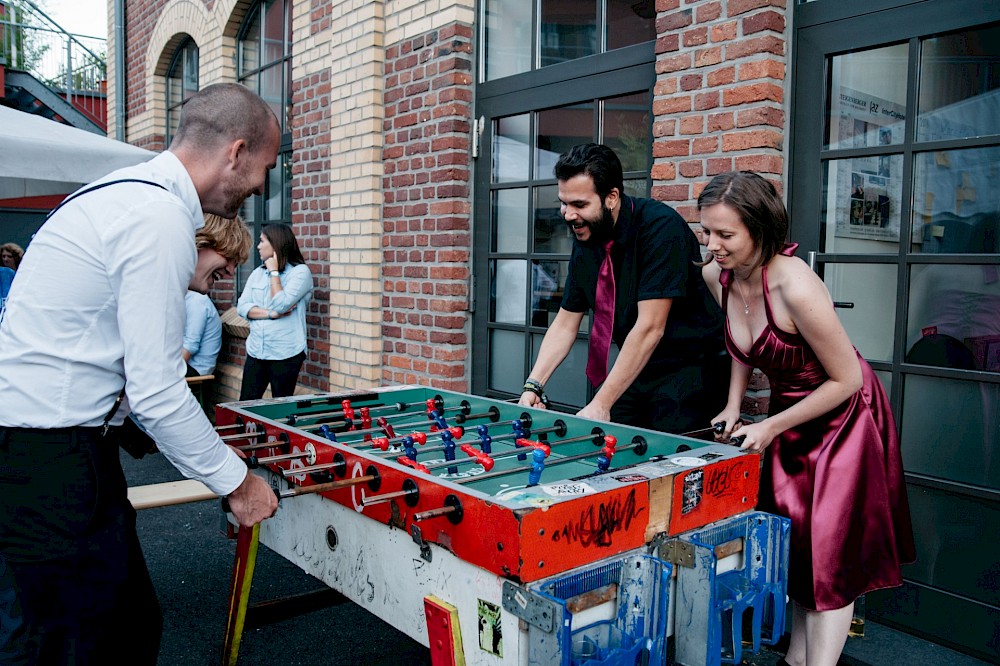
(678,400)
(67,534)
(281,375)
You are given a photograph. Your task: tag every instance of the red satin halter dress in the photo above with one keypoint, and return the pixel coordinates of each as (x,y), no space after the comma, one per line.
(839,478)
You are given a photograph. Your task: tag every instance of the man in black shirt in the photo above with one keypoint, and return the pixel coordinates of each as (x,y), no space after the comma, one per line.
(672,370)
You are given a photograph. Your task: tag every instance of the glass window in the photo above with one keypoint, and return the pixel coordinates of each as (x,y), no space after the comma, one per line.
(567,31)
(552,235)
(863,199)
(953,319)
(861,292)
(629,22)
(182,83)
(506,361)
(508,37)
(560,129)
(517,42)
(628,129)
(953,211)
(960,85)
(547,281)
(955,548)
(971,409)
(265,54)
(567,384)
(867,98)
(511,145)
(510,279)
(510,220)
(264,59)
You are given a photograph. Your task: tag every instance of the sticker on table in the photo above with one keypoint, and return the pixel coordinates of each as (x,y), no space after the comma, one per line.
(691,492)
(567,489)
(630,478)
(687,461)
(490,630)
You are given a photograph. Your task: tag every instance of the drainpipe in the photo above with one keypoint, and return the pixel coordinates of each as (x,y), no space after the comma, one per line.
(120,70)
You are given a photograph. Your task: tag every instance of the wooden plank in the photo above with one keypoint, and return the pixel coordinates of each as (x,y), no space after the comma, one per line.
(729,548)
(593,598)
(167,494)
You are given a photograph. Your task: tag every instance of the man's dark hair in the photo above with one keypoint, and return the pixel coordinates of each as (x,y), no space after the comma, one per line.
(224,112)
(597,161)
(283,243)
(757,203)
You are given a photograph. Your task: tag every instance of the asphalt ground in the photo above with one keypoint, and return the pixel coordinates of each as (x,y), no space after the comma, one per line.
(190,561)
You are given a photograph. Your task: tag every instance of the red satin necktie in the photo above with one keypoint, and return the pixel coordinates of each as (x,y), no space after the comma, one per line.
(604,319)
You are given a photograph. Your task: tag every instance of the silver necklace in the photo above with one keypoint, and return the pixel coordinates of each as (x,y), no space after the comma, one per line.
(746,306)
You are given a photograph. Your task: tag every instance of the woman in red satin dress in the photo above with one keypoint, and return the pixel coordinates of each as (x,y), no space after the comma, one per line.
(832,462)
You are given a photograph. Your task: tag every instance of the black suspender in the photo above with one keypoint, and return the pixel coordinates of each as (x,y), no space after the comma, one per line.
(102,185)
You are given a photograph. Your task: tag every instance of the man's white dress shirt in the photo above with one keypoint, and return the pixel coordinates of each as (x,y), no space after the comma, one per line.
(99,298)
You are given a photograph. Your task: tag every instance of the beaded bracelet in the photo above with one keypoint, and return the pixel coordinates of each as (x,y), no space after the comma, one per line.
(534,386)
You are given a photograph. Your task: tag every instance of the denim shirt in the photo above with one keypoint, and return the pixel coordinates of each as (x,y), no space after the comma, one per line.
(202,332)
(284,337)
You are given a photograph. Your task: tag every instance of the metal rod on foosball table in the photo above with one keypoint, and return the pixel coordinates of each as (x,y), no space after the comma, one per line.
(434,513)
(246,435)
(414,424)
(379,499)
(558,427)
(267,460)
(641,445)
(229,427)
(382,420)
(309,490)
(399,407)
(325,487)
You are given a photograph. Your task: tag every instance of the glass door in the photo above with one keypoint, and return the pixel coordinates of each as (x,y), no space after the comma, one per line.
(896,199)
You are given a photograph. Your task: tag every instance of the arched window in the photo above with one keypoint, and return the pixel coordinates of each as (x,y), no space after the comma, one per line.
(264,64)
(182,82)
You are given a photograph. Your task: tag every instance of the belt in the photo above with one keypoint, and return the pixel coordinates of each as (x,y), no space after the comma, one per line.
(50,435)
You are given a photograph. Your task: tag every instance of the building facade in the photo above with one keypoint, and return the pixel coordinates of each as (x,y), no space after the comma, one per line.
(416,172)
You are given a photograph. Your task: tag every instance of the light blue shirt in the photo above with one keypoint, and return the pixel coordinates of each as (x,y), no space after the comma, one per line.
(202,332)
(6,278)
(284,337)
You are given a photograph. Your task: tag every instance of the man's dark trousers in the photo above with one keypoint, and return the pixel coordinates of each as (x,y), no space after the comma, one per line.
(67,533)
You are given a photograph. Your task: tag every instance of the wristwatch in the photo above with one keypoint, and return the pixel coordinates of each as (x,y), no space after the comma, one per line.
(274,273)
(272,314)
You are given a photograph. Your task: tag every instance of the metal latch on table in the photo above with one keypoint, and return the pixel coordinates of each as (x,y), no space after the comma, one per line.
(528,606)
(677,552)
(418,538)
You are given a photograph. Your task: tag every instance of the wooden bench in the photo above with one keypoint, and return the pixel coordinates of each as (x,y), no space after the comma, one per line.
(197,385)
(169,493)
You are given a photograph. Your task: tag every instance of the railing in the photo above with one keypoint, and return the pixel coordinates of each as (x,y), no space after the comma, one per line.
(73,66)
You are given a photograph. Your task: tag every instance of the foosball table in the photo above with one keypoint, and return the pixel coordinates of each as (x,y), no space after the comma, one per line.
(498,534)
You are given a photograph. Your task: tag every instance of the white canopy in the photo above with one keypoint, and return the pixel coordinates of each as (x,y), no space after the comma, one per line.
(39,156)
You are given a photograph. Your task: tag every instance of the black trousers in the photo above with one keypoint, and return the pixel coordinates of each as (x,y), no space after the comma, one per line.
(676,400)
(68,539)
(281,375)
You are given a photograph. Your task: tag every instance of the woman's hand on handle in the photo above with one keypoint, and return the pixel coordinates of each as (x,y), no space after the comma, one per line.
(755,436)
(730,419)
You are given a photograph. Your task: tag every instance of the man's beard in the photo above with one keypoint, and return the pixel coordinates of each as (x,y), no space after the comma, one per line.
(601,230)
(236,194)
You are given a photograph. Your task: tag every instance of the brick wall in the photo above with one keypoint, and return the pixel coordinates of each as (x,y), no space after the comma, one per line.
(311,214)
(717,106)
(427,242)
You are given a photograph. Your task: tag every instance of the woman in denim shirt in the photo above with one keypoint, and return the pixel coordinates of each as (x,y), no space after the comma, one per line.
(275,300)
